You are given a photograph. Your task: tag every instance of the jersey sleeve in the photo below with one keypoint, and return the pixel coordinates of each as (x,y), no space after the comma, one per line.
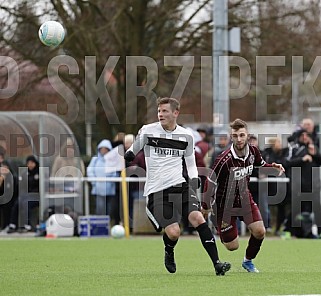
(259,161)
(190,158)
(140,141)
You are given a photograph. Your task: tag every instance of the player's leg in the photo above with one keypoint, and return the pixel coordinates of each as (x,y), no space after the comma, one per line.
(170,239)
(229,235)
(172,230)
(227,230)
(195,217)
(257,229)
(161,213)
(226,227)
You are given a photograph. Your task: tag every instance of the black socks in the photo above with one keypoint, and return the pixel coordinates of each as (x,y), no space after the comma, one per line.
(169,244)
(208,242)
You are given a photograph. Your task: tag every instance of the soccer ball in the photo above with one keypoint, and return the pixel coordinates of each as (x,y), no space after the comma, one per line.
(117,231)
(51,33)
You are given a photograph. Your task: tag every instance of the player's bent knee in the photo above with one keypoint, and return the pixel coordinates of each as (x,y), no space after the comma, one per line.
(196,218)
(259,233)
(257,229)
(173,231)
(232,246)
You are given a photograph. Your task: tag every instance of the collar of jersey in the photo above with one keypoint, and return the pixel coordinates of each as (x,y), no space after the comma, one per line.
(240,158)
(167,131)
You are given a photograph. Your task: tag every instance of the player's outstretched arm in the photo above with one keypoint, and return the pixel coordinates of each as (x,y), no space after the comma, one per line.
(279,167)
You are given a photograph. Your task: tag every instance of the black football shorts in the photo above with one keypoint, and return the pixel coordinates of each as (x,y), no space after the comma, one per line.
(170,205)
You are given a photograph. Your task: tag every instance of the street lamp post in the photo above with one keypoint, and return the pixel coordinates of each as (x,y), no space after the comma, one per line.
(220,65)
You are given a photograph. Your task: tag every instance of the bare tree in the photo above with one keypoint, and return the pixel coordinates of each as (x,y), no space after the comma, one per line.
(94,62)
(275,28)
(102,62)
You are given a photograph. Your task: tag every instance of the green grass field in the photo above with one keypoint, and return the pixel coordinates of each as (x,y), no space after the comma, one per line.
(134,266)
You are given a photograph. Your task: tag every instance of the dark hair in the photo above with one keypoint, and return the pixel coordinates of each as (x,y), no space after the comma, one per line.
(238,123)
(174,103)
(203,128)
(33,159)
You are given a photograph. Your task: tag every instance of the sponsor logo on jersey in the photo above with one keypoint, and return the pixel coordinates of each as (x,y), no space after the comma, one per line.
(155,142)
(240,173)
(167,151)
(225,226)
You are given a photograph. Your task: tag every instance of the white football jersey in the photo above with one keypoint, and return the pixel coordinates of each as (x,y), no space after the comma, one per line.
(164,152)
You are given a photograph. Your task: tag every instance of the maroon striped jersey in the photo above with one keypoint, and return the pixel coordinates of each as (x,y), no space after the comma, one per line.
(231,174)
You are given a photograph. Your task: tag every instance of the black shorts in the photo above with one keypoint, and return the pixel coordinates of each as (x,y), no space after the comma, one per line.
(170,205)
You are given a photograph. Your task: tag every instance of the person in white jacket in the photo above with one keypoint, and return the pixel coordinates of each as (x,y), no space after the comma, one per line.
(105,164)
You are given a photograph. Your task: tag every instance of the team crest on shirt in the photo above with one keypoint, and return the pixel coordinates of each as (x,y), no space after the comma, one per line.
(251,159)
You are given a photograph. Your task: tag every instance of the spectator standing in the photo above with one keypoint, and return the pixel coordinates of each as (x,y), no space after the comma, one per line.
(104,165)
(28,197)
(304,160)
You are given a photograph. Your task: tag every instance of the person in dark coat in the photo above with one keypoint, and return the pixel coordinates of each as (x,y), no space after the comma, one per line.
(28,197)
(304,160)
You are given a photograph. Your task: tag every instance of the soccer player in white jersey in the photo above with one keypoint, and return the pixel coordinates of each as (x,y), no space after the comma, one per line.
(169,197)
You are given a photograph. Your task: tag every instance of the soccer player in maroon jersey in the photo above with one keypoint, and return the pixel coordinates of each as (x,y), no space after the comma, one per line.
(227,192)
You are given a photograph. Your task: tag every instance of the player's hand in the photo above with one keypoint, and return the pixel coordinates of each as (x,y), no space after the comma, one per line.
(279,167)
(205,210)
